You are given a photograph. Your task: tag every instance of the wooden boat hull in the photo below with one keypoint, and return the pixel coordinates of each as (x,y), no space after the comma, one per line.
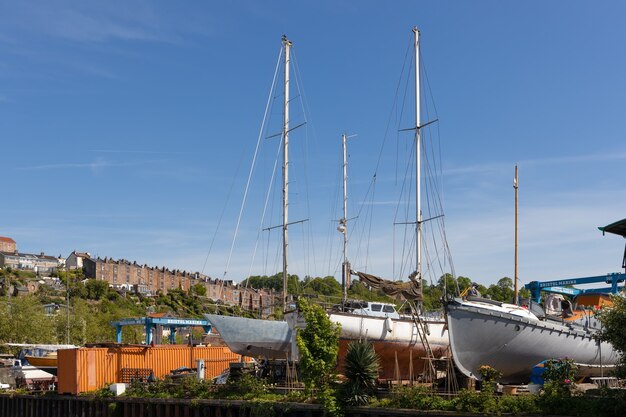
(42,361)
(396,358)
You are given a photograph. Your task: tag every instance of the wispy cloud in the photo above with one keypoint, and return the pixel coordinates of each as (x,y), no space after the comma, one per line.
(81,165)
(97,165)
(96,22)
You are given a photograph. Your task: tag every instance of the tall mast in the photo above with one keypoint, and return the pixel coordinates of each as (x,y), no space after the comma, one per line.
(287,44)
(515,186)
(343,226)
(418,160)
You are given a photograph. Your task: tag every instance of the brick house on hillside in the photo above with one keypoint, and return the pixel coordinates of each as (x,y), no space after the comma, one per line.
(124,274)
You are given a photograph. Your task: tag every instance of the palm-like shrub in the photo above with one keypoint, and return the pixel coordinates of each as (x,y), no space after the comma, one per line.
(361,370)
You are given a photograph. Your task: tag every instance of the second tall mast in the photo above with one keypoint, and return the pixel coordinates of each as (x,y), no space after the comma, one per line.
(287,44)
(418,160)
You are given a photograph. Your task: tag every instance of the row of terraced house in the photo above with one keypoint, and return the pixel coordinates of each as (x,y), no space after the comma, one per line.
(123,274)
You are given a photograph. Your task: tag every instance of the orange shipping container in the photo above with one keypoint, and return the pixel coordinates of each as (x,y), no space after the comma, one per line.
(88,369)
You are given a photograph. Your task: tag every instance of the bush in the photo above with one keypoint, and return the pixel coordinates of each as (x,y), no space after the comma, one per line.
(559,376)
(168,388)
(475,402)
(418,398)
(489,377)
(518,404)
(245,387)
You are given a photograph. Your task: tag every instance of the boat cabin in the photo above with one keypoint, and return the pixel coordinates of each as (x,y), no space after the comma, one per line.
(371,309)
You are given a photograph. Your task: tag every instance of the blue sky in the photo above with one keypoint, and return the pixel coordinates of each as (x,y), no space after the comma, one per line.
(127,128)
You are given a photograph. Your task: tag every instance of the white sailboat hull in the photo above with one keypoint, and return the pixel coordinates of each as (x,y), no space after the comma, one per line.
(514,344)
(402,331)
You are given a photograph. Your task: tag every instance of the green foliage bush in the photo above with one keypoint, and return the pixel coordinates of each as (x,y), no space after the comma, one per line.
(318,343)
(166,388)
(559,375)
(246,387)
(613,324)
(424,398)
(417,398)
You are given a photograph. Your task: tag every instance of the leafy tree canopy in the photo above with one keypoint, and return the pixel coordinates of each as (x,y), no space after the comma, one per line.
(614,322)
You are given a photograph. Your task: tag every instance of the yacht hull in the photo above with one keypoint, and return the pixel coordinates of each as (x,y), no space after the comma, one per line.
(513,344)
(253,337)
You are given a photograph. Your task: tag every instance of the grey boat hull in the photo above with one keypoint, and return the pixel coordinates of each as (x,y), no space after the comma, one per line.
(252,337)
(514,344)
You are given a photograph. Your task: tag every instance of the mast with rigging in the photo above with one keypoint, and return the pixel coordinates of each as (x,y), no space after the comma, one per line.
(287,44)
(343,226)
(516,292)
(418,162)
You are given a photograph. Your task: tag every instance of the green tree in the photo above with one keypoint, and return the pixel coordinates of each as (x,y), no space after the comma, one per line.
(433,296)
(23,321)
(328,286)
(453,286)
(318,343)
(274,282)
(613,324)
(502,291)
(198,289)
(96,289)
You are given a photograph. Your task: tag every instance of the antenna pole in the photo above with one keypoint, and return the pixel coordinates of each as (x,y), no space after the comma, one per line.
(515,186)
(287,44)
(343,226)
(418,161)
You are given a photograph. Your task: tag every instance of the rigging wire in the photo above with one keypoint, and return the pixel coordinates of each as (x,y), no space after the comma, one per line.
(219,221)
(256,244)
(305,112)
(330,244)
(260,136)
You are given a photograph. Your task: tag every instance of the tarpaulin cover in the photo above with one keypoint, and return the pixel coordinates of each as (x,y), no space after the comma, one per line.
(409,290)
